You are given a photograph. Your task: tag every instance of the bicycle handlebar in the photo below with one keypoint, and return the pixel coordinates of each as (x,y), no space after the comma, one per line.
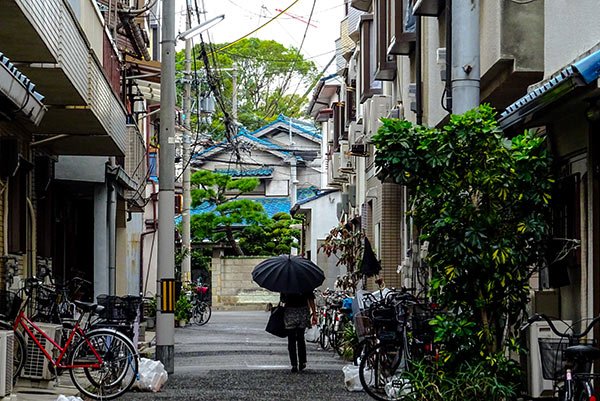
(539,316)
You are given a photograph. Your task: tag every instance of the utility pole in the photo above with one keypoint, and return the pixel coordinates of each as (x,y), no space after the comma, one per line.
(165,319)
(234,93)
(466,70)
(186,263)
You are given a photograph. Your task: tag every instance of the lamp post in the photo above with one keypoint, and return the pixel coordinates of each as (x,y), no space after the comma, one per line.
(165,319)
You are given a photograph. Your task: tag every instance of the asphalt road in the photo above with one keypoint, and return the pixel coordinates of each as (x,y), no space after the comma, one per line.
(232,358)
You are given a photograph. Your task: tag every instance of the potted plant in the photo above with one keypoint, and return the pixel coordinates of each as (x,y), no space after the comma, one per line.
(183,308)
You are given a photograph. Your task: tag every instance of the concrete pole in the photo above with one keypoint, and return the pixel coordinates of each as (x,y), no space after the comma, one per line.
(165,319)
(186,263)
(234,89)
(465,55)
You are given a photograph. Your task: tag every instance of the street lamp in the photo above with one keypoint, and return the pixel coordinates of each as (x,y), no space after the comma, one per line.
(165,334)
(189,33)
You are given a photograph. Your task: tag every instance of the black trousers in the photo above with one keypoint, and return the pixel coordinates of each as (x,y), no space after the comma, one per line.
(296,346)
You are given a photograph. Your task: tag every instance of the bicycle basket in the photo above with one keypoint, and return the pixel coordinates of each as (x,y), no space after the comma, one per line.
(10,303)
(552,356)
(363,324)
(119,309)
(43,304)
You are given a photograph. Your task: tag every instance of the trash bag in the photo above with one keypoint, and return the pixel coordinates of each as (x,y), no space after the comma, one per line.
(351,378)
(152,375)
(312,335)
(62,397)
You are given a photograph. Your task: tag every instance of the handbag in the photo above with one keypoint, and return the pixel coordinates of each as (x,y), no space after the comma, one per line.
(276,325)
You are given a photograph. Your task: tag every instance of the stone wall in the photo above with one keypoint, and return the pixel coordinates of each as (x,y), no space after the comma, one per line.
(232,285)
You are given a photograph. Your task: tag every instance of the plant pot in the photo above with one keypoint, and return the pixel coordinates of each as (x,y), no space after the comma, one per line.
(181,323)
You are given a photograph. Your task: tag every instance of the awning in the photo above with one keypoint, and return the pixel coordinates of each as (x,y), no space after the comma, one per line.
(578,74)
(20,91)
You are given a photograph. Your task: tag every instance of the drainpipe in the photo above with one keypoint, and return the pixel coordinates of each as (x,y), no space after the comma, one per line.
(112,242)
(448,82)
(144,280)
(419,71)
(465,61)
(32,251)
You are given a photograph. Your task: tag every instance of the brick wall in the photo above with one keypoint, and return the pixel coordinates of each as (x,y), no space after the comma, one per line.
(232,285)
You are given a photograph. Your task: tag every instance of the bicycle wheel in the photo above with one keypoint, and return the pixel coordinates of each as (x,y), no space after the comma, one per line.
(19,351)
(117,372)
(204,313)
(380,373)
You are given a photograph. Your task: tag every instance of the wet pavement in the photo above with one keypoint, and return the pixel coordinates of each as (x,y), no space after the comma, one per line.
(232,358)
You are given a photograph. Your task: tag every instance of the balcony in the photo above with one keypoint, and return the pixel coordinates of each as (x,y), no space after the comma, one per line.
(84,115)
(512,50)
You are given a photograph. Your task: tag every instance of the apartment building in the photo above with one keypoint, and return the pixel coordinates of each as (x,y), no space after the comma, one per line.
(73,140)
(537,63)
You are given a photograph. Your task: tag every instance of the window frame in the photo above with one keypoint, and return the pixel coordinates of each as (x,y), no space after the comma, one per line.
(401,42)
(368,85)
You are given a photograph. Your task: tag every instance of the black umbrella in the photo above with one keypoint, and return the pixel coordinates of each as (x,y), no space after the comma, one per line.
(289,274)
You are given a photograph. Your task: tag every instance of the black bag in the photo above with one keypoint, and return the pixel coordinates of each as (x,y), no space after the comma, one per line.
(276,325)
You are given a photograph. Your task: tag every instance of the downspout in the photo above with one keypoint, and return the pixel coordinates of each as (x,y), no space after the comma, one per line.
(419,71)
(112,242)
(32,251)
(143,279)
(448,56)
(5,217)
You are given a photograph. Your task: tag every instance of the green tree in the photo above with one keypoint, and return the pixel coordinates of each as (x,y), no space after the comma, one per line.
(482,202)
(222,192)
(274,237)
(268,74)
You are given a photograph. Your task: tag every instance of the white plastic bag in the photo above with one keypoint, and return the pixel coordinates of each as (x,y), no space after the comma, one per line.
(68,398)
(351,378)
(152,375)
(312,335)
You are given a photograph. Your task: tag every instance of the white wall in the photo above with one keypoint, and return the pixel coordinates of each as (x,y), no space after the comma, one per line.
(571,30)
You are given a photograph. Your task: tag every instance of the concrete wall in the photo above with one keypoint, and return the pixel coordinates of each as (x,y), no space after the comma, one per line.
(232,285)
(571,29)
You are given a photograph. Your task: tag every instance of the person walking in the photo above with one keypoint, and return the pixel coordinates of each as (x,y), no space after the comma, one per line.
(299,313)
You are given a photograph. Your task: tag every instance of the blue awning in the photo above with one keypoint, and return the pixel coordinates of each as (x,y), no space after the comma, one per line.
(578,74)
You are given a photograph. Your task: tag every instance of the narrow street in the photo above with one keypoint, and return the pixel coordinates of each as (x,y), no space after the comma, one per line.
(232,358)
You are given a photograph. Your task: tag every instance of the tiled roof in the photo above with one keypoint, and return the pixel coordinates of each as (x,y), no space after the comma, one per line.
(30,86)
(257,172)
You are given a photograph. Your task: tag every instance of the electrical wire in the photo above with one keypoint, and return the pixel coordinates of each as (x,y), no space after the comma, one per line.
(260,27)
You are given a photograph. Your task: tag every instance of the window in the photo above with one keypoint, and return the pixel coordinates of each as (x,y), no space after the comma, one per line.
(368,85)
(386,64)
(402,27)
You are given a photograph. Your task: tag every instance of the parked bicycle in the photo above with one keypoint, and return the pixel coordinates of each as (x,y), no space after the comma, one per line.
(102,363)
(398,332)
(201,311)
(568,360)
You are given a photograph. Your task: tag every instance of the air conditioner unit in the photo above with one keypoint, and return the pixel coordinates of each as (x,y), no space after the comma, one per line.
(344,150)
(538,387)
(379,107)
(6,362)
(355,131)
(37,365)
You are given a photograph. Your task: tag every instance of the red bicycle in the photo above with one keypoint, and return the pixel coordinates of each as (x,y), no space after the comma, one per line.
(102,363)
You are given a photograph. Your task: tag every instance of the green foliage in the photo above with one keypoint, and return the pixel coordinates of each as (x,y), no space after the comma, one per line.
(272,237)
(183,307)
(346,242)
(481,201)
(267,73)
(222,191)
(496,379)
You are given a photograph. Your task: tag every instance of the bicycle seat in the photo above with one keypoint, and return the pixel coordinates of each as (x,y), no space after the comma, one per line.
(89,306)
(582,351)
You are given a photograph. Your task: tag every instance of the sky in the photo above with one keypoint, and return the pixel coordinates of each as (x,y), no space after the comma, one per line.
(243,16)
